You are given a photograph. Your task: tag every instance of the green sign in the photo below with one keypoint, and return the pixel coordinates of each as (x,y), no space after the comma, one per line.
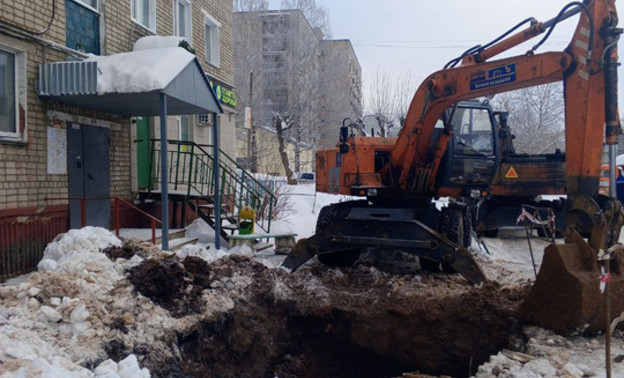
(224,95)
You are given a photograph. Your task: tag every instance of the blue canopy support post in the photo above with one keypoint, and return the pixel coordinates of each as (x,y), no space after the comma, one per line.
(217,195)
(164,188)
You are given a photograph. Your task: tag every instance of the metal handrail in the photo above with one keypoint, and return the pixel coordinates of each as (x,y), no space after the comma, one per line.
(227,157)
(190,164)
(117,201)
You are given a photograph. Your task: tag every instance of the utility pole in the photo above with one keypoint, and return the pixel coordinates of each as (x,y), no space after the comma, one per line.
(252,148)
(250,131)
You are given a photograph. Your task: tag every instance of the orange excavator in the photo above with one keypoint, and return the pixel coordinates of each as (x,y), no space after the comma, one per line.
(448,147)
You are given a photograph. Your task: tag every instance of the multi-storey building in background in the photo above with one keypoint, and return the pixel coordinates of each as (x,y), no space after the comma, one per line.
(44,141)
(342,89)
(284,67)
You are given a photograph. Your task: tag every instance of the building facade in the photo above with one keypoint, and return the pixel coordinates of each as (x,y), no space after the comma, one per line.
(43,141)
(342,89)
(281,68)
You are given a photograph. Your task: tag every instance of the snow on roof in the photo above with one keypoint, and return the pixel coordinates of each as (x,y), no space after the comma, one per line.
(157,42)
(140,71)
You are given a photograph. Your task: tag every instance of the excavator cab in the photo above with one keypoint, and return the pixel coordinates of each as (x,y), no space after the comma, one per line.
(472,158)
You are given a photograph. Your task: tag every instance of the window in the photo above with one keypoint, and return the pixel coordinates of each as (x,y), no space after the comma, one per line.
(274,62)
(12,94)
(276,80)
(204,118)
(212,41)
(473,132)
(184,131)
(83,26)
(143,12)
(93,4)
(8,98)
(182,19)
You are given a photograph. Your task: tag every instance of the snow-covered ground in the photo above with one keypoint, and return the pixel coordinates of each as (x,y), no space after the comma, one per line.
(54,322)
(306,204)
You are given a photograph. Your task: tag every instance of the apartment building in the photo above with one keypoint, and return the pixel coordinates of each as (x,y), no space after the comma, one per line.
(47,142)
(341,91)
(283,65)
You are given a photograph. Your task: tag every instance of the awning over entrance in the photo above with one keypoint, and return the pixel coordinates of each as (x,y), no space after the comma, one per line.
(150,82)
(130,84)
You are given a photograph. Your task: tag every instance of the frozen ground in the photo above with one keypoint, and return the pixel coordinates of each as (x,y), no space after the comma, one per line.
(80,315)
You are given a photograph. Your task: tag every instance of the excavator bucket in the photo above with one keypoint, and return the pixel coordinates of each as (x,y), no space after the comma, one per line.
(566,296)
(301,252)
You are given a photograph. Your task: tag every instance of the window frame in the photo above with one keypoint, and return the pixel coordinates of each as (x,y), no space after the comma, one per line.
(152,14)
(184,121)
(189,18)
(212,24)
(89,6)
(7,135)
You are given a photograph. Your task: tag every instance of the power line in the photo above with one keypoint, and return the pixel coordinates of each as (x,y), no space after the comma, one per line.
(414,47)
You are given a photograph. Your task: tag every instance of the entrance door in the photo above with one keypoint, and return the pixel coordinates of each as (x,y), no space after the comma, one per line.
(89,174)
(143,152)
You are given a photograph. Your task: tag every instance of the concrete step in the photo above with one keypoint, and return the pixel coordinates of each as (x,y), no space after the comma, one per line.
(146,234)
(177,244)
(173,235)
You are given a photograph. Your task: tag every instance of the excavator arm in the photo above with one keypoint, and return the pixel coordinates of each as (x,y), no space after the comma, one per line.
(587,68)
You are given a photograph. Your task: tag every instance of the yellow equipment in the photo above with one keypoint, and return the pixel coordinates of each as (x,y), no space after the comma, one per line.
(246,220)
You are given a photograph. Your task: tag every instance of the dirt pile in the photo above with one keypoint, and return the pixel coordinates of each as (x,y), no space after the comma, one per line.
(322,322)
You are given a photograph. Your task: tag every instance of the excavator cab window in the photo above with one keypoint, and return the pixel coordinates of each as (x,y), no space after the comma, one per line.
(472,154)
(473,132)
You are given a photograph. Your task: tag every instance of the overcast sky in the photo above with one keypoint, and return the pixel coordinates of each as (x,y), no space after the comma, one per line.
(420,36)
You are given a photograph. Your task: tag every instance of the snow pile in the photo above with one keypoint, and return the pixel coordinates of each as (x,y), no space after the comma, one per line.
(241,250)
(140,71)
(57,316)
(547,354)
(61,367)
(210,254)
(78,252)
(198,227)
(73,251)
(201,230)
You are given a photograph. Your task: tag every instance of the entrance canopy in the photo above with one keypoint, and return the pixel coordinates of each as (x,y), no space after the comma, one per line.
(130,84)
(151,82)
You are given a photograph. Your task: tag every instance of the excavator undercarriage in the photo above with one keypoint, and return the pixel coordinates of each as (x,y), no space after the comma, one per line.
(400,238)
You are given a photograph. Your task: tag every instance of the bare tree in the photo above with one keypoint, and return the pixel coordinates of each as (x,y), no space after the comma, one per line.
(250,5)
(294,103)
(317,15)
(277,67)
(389,100)
(536,117)
(249,75)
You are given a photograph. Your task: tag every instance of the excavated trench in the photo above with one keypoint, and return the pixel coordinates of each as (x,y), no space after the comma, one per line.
(355,322)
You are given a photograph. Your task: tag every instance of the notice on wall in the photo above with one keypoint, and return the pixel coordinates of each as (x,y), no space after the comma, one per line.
(57,151)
